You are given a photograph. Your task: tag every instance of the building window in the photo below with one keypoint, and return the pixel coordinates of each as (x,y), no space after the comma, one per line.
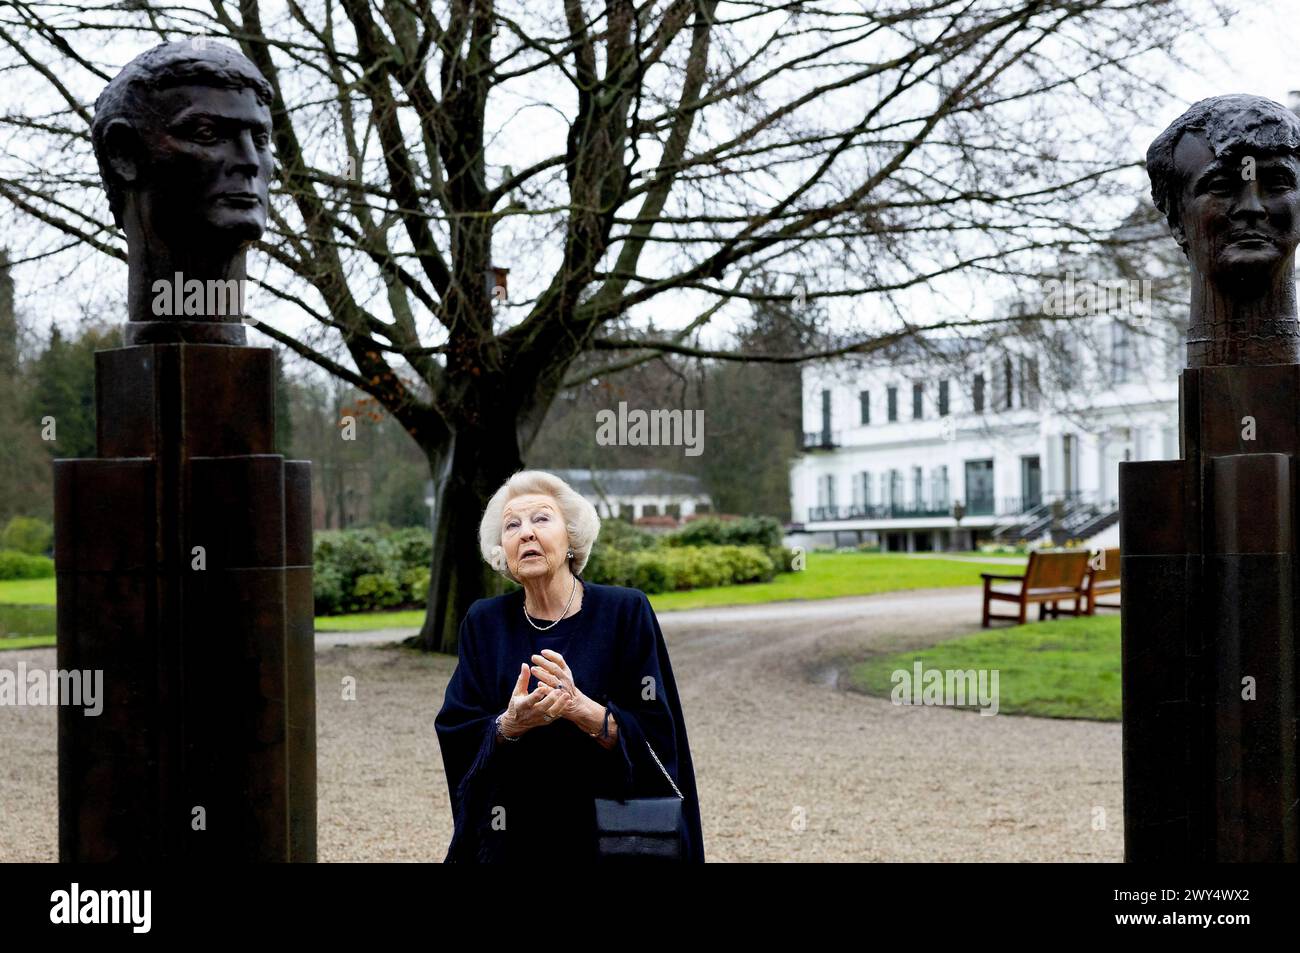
(939,487)
(862,489)
(977,394)
(943,398)
(826,416)
(649,509)
(1123,353)
(864,403)
(1007,384)
(1031,483)
(918,488)
(891,396)
(917,390)
(979,487)
(1069,458)
(1066,363)
(895,488)
(826,490)
(1028,382)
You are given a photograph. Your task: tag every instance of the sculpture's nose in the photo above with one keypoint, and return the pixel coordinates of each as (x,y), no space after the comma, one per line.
(1248,203)
(245,157)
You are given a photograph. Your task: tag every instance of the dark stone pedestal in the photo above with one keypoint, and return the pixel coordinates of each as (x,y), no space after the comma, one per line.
(1208,574)
(184,573)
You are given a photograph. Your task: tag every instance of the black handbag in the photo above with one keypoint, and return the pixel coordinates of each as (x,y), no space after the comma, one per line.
(641,828)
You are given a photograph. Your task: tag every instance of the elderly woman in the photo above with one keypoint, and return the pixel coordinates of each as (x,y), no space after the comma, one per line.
(563,692)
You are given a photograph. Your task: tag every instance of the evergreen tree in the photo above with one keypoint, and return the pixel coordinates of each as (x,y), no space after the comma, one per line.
(25,479)
(283,408)
(63,388)
(8,320)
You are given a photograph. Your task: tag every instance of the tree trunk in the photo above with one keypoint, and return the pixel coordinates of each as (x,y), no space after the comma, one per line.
(466,471)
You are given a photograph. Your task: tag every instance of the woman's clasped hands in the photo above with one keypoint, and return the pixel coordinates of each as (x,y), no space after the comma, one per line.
(556,696)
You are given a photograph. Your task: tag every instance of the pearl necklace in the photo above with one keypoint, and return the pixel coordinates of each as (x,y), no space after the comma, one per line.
(544,628)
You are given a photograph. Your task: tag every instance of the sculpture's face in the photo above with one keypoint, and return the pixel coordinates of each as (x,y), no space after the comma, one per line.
(1237,222)
(210,164)
(533,523)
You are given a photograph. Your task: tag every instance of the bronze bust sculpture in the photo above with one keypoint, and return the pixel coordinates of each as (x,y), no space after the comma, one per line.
(182,137)
(1226,174)
(1209,569)
(184,545)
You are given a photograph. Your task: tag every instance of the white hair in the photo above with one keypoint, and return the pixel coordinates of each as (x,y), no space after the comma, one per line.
(580,518)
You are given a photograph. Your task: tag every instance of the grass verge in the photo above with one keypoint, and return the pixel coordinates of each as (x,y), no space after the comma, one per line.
(1060,668)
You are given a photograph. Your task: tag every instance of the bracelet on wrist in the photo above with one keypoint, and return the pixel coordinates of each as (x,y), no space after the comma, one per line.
(604,728)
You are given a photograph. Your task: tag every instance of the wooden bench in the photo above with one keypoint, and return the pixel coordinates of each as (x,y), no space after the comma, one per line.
(1048,578)
(1102,581)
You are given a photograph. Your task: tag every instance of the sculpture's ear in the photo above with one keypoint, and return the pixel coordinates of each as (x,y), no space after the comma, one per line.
(124,150)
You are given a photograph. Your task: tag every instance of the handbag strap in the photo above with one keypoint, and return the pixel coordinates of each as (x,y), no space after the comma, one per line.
(664,770)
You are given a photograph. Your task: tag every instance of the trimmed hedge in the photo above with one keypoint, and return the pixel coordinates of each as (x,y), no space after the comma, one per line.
(361,570)
(668,568)
(16,565)
(29,535)
(764,531)
(620,534)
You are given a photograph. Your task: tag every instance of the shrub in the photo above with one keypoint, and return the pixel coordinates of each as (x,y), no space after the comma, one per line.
(328,590)
(652,571)
(352,552)
(609,566)
(622,535)
(365,569)
(413,548)
(415,583)
(359,570)
(781,557)
(680,567)
(764,531)
(16,565)
(377,590)
(748,563)
(27,534)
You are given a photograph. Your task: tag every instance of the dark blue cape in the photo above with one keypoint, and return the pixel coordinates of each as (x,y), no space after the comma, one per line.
(520,800)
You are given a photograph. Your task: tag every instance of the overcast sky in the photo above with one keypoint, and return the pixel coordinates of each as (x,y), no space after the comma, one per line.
(1255,53)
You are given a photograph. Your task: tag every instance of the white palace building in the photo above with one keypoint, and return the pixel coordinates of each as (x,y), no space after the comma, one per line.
(939,447)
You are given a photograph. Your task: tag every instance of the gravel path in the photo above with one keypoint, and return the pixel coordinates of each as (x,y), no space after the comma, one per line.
(789,767)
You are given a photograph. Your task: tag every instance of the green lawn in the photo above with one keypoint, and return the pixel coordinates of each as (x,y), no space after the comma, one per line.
(829,575)
(362,621)
(1059,668)
(826,576)
(26,613)
(27,592)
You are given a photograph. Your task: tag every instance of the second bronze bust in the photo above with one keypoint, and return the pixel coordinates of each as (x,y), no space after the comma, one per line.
(182,136)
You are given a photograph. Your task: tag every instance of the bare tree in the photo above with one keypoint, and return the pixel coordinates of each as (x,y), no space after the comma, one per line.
(617,158)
